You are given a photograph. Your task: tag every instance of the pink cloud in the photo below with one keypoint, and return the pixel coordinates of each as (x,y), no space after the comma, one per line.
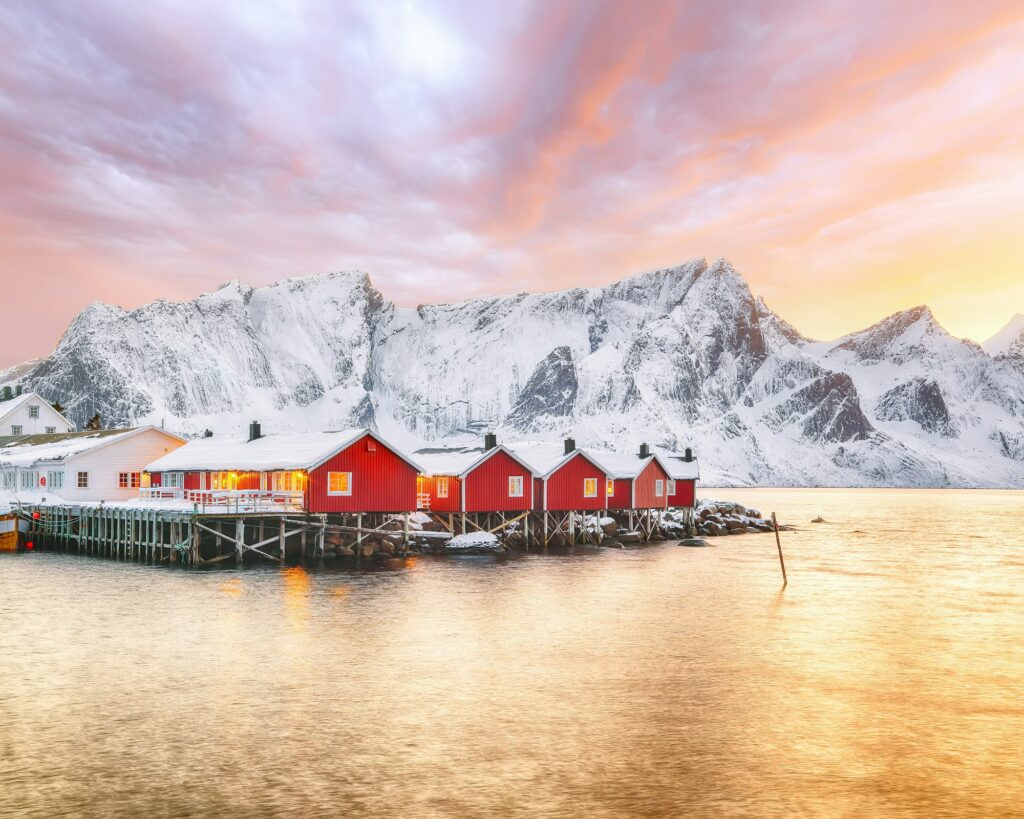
(161,149)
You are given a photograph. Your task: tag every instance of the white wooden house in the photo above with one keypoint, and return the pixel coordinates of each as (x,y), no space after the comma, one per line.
(31,414)
(104,465)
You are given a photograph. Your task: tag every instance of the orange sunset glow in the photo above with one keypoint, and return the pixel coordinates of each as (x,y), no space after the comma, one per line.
(850,159)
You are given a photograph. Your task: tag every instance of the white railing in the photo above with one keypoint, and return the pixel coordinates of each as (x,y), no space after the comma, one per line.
(161,493)
(231,500)
(422,500)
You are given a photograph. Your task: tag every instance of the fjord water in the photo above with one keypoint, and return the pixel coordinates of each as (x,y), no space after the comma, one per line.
(886,679)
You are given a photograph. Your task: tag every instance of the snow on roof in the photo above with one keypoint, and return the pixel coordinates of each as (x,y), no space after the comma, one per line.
(25,450)
(626,465)
(679,469)
(544,458)
(458,461)
(285,450)
(11,404)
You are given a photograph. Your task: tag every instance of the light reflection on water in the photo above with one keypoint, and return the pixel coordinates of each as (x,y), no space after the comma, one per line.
(886,679)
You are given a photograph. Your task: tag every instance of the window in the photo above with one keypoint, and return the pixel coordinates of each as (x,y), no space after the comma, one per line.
(15,429)
(174,480)
(129,480)
(515,486)
(590,487)
(671,487)
(51,430)
(33,411)
(659,488)
(610,488)
(55,479)
(122,480)
(29,480)
(442,487)
(339,483)
(83,480)
(9,479)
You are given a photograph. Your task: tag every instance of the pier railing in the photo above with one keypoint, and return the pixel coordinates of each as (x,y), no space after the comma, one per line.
(230,500)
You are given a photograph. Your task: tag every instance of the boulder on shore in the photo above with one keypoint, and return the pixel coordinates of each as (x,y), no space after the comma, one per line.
(473,543)
(694,541)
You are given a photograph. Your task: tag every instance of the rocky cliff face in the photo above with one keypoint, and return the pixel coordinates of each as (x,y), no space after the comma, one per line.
(680,356)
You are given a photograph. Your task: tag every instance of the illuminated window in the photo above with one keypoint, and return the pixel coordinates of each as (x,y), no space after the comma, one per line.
(671,487)
(610,489)
(122,480)
(515,486)
(339,483)
(33,411)
(590,487)
(136,480)
(442,487)
(83,480)
(659,488)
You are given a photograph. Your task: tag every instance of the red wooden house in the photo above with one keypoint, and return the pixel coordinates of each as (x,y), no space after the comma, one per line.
(492,479)
(567,480)
(639,481)
(684,474)
(351,471)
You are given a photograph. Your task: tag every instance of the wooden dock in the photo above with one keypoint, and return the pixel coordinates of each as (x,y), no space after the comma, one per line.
(195,538)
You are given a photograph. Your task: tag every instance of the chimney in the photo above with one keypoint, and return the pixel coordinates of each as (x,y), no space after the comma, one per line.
(490,441)
(688,455)
(254,431)
(570,445)
(208,433)
(645,451)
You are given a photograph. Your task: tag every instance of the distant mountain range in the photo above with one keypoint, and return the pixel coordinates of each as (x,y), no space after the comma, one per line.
(684,356)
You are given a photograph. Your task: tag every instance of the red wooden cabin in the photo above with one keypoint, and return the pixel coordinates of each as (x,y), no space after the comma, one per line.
(572,480)
(352,471)
(640,481)
(684,474)
(492,479)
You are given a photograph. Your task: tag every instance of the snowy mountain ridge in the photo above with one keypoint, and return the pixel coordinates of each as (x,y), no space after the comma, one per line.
(682,356)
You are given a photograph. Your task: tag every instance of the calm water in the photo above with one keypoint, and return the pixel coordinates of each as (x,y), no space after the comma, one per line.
(887,679)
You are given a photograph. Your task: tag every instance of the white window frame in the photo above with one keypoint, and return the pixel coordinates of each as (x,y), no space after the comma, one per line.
(51,430)
(29,479)
(515,486)
(126,476)
(16,429)
(586,493)
(347,492)
(173,480)
(671,487)
(659,488)
(79,482)
(55,479)
(441,489)
(33,410)
(10,479)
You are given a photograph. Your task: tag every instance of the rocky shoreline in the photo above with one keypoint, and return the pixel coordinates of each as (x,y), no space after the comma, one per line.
(710,518)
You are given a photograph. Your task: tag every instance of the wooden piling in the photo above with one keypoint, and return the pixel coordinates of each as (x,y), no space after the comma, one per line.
(778,543)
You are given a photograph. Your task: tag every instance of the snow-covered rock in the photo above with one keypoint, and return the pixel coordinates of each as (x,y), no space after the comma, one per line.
(474,542)
(683,356)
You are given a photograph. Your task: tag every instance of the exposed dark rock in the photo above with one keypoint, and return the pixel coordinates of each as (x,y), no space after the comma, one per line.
(919,400)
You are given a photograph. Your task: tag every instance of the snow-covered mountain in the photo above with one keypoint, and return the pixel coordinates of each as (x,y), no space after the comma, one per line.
(684,356)
(1009,341)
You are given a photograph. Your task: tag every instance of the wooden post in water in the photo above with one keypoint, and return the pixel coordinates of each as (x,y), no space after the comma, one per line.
(778,543)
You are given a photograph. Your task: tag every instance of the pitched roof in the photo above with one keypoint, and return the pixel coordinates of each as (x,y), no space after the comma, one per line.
(283,450)
(545,458)
(11,404)
(628,465)
(25,450)
(679,469)
(460,461)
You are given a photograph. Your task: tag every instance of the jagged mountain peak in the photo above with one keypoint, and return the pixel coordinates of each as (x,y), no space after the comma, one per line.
(682,355)
(1009,341)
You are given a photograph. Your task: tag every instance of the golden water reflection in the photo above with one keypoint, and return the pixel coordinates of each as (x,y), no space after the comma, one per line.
(665,681)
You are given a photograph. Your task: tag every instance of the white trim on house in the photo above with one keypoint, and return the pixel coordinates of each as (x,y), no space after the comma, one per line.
(347,491)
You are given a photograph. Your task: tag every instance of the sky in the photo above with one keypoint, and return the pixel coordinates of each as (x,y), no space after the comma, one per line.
(851,159)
